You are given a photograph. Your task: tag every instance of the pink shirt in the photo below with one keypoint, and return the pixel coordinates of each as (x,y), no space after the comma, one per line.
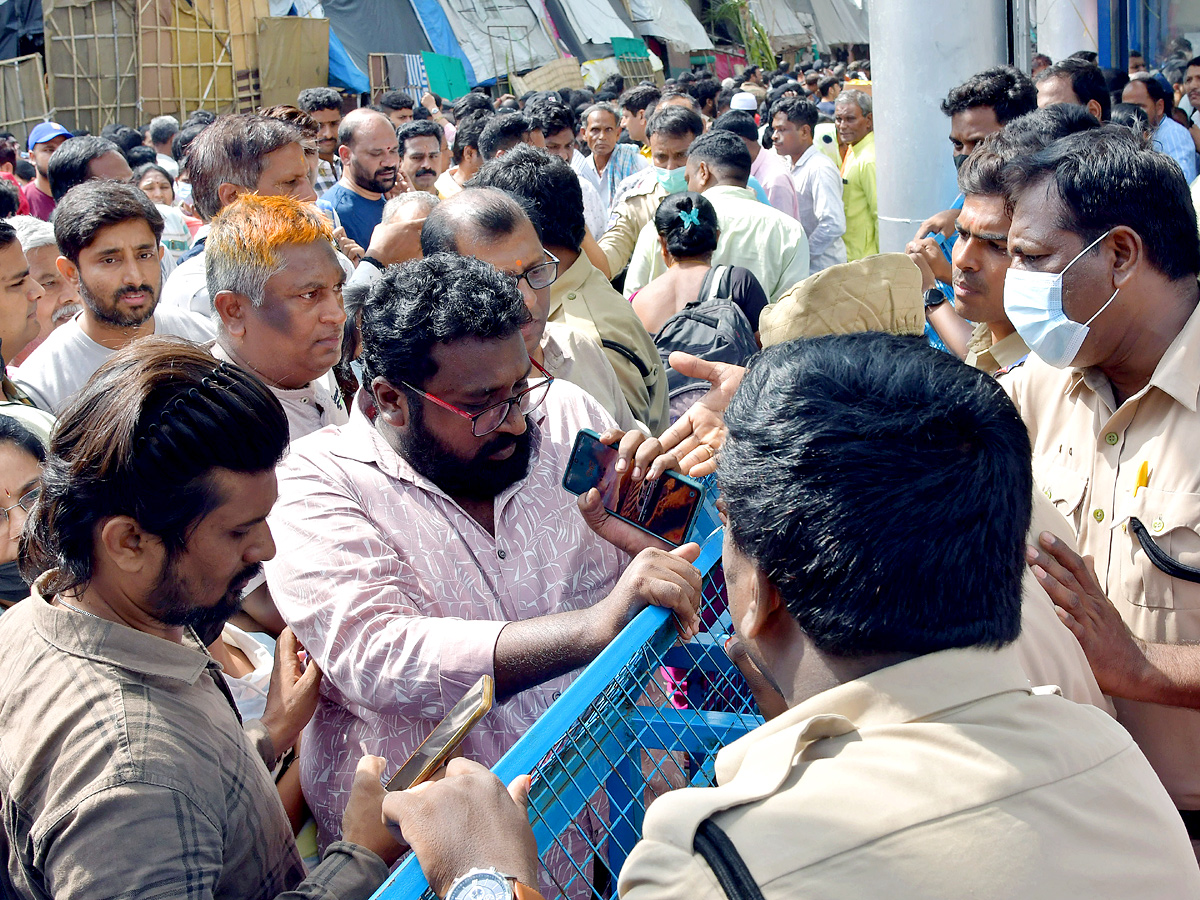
(399,595)
(775,175)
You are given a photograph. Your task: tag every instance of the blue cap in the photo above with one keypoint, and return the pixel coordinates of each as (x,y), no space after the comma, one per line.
(46,131)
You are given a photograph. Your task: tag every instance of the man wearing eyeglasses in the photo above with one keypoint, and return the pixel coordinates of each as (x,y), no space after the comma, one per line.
(429,541)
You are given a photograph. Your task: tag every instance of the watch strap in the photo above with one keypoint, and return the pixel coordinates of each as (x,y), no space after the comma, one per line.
(525,892)
(934,298)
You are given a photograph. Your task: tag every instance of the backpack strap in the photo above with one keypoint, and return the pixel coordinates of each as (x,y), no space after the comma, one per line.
(726,863)
(715,285)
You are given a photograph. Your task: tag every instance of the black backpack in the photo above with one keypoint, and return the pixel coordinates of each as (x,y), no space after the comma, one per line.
(711,327)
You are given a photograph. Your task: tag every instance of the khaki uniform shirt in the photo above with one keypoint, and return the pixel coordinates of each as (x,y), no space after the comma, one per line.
(994,358)
(125,771)
(583,298)
(630,215)
(945,776)
(1087,453)
(576,358)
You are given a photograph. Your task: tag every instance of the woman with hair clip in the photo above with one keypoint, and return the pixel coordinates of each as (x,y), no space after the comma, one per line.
(688,232)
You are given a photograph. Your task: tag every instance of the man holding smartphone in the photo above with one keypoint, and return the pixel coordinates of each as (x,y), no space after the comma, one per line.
(430,541)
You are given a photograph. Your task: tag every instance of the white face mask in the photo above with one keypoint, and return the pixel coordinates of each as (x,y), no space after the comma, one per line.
(1033,304)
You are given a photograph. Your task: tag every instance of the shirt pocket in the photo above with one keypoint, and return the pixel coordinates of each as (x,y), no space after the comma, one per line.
(1065,488)
(1171,520)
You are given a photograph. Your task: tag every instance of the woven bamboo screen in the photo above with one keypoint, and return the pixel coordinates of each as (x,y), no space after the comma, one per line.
(22,95)
(91,60)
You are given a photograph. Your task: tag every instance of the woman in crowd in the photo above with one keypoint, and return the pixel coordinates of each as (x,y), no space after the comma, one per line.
(156,184)
(21,458)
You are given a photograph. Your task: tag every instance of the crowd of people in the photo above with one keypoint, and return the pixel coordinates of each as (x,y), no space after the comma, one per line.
(290,395)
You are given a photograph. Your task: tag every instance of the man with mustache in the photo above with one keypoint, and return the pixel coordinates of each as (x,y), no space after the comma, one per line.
(59,301)
(420,147)
(324,104)
(108,234)
(370,164)
(429,541)
(152,518)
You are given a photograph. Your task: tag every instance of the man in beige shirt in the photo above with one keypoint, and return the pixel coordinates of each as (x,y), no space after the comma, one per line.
(1111,408)
(582,296)
(914,759)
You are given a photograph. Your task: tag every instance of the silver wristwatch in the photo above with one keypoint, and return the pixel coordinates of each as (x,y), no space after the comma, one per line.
(482,884)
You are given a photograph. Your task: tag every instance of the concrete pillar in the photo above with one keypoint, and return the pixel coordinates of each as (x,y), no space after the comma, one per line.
(919,50)
(1064,26)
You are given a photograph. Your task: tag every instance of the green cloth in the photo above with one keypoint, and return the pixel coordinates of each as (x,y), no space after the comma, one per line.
(861,200)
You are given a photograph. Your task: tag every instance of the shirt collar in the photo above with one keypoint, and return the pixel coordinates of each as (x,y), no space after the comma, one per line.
(1177,373)
(920,688)
(805,157)
(1009,350)
(112,643)
(729,190)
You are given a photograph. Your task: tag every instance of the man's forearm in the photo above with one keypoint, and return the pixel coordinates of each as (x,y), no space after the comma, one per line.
(1170,676)
(533,651)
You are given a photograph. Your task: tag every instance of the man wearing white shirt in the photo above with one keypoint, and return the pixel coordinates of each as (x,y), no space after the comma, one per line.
(817,180)
(108,233)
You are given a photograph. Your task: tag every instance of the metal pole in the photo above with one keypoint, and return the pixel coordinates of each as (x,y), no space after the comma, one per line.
(919,50)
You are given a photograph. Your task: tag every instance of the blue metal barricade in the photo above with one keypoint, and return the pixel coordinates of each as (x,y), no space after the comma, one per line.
(646,716)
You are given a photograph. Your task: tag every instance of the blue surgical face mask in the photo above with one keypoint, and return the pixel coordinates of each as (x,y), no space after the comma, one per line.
(1033,304)
(672,180)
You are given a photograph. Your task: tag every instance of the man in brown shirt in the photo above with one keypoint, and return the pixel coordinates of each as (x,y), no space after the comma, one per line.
(1108,226)
(124,767)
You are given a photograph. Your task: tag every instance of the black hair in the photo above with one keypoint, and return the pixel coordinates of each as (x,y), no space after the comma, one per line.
(14,432)
(466,134)
(10,199)
(1087,82)
(1107,177)
(547,189)
(319,98)
(551,118)
(1131,116)
(826,84)
(487,212)
(142,439)
(391,100)
(639,97)
(439,299)
(418,128)
(470,102)
(798,111)
(724,153)
(739,122)
(675,122)
(140,172)
(1008,91)
(201,117)
(140,156)
(125,138)
(1090,56)
(502,133)
(69,164)
(96,204)
(724,98)
(704,89)
(24,169)
(684,239)
(840,421)
(182,142)
(1156,90)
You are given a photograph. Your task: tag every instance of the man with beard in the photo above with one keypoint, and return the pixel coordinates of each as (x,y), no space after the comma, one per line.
(419,144)
(44,139)
(429,541)
(370,159)
(324,104)
(116,723)
(108,234)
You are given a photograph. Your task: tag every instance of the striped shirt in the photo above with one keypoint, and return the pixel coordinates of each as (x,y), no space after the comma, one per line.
(125,772)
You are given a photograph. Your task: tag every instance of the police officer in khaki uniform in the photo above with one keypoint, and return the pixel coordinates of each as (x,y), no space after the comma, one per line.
(1110,401)
(914,759)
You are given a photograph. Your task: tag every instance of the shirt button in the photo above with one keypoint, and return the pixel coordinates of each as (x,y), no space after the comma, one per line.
(501,554)
(1098,515)
(1111,438)
(570,296)
(1157,525)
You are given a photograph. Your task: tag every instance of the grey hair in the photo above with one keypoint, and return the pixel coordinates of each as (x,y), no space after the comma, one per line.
(233,150)
(413,198)
(861,98)
(33,233)
(163,128)
(222,273)
(601,107)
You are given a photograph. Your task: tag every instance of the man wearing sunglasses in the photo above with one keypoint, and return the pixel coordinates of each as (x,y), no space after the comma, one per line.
(429,541)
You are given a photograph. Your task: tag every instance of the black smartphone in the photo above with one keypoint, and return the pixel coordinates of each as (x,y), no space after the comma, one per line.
(449,734)
(664,507)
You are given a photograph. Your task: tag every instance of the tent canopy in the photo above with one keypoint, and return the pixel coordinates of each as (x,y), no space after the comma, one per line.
(671,20)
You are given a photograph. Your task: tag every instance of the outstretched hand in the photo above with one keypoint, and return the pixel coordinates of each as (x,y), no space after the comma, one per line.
(697,436)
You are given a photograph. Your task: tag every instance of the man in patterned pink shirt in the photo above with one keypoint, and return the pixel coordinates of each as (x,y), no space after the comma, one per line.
(429,541)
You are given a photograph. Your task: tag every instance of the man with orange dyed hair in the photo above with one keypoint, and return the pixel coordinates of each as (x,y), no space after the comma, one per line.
(276,285)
